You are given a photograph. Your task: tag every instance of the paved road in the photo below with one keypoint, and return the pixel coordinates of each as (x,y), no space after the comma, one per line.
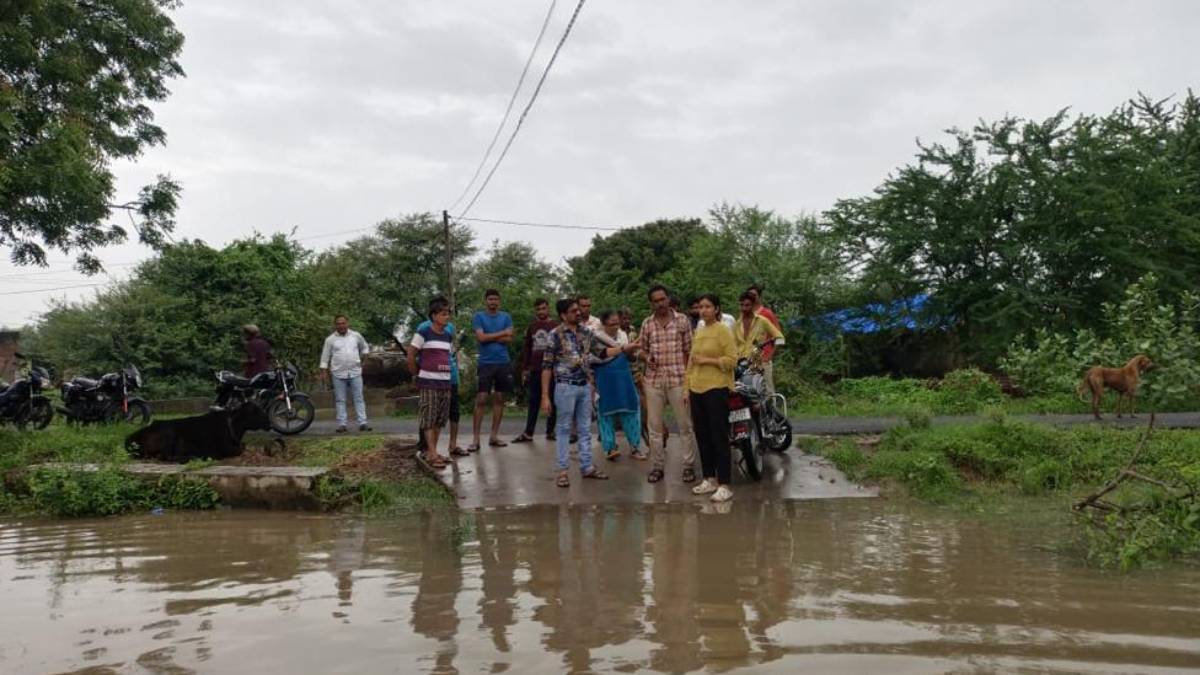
(510,427)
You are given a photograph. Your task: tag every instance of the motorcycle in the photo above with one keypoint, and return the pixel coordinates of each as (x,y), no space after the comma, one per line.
(289,411)
(757,421)
(22,403)
(105,400)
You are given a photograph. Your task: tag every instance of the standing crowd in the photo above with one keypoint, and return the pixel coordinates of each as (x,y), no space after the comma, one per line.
(581,368)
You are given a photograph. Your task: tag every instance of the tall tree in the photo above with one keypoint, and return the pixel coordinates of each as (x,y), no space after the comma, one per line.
(75,78)
(390,275)
(617,269)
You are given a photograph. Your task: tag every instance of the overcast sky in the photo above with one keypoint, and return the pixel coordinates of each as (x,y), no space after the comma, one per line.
(329,116)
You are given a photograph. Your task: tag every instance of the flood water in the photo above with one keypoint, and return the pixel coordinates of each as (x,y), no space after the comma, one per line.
(855,586)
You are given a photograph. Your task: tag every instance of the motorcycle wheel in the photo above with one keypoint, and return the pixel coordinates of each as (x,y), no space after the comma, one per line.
(137,413)
(40,414)
(295,421)
(781,440)
(750,450)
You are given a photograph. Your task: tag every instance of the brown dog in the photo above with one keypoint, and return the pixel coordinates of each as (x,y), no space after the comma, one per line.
(1123,380)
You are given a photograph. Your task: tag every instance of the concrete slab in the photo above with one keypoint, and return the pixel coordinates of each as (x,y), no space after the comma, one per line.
(524,474)
(263,487)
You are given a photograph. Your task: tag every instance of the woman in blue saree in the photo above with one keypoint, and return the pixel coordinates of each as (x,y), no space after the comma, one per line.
(618,404)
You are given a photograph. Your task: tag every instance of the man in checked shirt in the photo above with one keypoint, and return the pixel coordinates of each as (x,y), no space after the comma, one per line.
(666,337)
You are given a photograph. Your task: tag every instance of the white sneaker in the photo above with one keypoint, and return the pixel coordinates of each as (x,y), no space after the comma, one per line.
(706,486)
(723,494)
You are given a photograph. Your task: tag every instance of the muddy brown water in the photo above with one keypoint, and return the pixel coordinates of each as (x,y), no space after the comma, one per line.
(844,586)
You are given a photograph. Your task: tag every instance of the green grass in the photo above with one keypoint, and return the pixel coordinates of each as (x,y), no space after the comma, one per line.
(961,464)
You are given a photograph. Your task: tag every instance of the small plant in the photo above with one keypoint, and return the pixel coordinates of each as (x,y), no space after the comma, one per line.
(918,418)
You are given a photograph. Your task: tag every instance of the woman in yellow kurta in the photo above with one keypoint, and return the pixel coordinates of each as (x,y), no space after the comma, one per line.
(708,380)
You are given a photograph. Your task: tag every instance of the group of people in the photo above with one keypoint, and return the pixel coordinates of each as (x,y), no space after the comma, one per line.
(582,363)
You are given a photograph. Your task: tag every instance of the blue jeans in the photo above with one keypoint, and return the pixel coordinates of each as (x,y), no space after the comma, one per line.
(573,403)
(340,385)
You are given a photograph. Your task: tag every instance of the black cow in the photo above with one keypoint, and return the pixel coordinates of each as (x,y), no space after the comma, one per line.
(217,435)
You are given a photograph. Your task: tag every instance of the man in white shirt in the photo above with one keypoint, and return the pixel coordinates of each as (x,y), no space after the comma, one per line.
(342,355)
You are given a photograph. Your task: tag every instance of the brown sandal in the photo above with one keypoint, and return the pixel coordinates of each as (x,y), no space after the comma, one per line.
(596,474)
(654,476)
(563,480)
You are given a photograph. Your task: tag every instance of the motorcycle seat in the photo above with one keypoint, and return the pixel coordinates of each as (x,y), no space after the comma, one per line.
(85,382)
(226,377)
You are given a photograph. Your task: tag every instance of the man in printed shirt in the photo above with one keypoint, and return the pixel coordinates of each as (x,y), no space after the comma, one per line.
(666,340)
(342,357)
(565,377)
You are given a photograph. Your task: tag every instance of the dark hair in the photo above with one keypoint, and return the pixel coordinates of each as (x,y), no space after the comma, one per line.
(437,305)
(716,302)
(540,301)
(674,301)
(607,314)
(747,295)
(582,296)
(756,288)
(340,316)
(656,288)
(625,311)
(563,305)
(693,299)
(491,292)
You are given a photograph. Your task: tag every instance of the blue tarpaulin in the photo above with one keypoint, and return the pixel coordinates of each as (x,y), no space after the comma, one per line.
(912,313)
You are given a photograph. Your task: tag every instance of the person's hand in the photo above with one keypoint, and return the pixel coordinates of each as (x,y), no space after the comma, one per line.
(687,398)
(631,347)
(545,403)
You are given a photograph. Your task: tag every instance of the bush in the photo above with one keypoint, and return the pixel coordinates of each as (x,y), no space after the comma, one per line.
(109,491)
(918,418)
(926,475)
(1140,324)
(968,390)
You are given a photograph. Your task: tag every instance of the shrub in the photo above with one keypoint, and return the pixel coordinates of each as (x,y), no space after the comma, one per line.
(848,458)
(109,491)
(968,390)
(927,475)
(918,418)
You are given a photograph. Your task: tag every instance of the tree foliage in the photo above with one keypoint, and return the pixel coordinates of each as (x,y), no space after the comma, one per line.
(1020,224)
(75,78)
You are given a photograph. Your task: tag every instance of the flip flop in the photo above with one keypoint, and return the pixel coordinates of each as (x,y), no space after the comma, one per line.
(523,438)
(596,474)
(563,480)
(497,443)
(474,447)
(459,452)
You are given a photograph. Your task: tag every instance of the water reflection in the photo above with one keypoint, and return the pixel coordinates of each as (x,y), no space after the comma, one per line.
(771,586)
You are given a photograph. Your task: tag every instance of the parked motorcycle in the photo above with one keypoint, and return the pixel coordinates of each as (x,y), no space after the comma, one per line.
(22,403)
(105,400)
(289,411)
(757,421)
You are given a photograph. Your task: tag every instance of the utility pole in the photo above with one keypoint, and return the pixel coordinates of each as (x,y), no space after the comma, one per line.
(449,259)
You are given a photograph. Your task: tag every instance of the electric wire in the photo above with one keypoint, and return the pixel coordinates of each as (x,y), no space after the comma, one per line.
(507,111)
(521,120)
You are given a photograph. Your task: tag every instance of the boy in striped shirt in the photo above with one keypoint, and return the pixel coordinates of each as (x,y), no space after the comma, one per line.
(429,358)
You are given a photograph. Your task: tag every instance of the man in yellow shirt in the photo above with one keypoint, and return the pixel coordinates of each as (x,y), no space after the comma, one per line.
(753,329)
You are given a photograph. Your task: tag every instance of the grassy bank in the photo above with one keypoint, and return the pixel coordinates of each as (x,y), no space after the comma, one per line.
(960,463)
(369,473)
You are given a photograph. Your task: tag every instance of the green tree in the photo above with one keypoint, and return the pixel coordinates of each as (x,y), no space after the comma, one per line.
(1020,224)
(520,275)
(618,269)
(389,276)
(177,319)
(75,78)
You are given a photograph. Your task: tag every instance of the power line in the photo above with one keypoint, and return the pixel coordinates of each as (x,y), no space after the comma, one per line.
(556,226)
(521,119)
(507,111)
(42,272)
(48,290)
